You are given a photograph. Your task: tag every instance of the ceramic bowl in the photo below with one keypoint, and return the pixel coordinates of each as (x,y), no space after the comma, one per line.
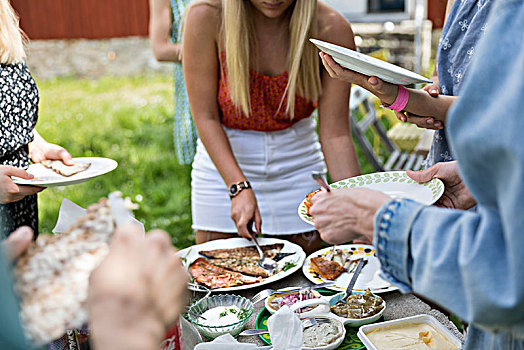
(338,340)
(300,304)
(216,300)
(354,322)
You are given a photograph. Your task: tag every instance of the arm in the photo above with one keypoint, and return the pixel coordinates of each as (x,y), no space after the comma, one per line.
(136,292)
(160,22)
(201,71)
(420,102)
(333,106)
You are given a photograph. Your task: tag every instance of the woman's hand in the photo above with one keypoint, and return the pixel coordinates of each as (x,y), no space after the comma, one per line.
(40,150)
(425,122)
(136,292)
(11,192)
(346,214)
(386,92)
(456,195)
(244,212)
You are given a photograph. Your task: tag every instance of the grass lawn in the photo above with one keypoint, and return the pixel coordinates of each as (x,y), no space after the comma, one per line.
(130,120)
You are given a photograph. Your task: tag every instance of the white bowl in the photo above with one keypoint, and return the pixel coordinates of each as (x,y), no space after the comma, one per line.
(298,305)
(418,319)
(335,344)
(213,301)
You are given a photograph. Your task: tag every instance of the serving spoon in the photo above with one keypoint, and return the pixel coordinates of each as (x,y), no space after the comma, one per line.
(265,263)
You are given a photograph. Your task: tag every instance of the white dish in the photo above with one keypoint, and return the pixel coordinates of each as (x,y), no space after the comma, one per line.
(336,343)
(45,177)
(396,184)
(190,254)
(368,278)
(353,322)
(315,311)
(368,65)
(425,319)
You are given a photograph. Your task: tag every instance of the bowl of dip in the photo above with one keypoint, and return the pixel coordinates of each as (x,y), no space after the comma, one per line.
(297,301)
(324,336)
(220,314)
(361,308)
(409,333)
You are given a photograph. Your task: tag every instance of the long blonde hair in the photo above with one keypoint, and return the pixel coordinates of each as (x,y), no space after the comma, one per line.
(11,37)
(240,44)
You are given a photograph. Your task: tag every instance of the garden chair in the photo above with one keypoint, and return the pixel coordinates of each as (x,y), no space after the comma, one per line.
(395,159)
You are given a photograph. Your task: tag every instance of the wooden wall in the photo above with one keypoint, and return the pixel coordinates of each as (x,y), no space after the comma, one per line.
(89,19)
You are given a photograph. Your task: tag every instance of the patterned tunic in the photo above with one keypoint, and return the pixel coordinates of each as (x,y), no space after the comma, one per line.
(465,25)
(184,132)
(18,115)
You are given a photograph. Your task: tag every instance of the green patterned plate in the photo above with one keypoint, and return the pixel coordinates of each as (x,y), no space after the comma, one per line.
(397,184)
(350,342)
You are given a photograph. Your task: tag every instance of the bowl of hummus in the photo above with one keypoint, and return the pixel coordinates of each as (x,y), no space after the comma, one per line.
(409,333)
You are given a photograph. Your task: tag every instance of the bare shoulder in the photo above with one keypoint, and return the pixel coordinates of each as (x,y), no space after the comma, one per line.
(205,15)
(333,27)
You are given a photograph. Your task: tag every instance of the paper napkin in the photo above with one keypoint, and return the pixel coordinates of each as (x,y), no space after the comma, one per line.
(285,329)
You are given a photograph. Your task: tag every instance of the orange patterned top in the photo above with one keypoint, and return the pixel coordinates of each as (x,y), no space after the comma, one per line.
(266,93)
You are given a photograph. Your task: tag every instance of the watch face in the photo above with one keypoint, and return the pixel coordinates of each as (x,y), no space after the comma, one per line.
(233,190)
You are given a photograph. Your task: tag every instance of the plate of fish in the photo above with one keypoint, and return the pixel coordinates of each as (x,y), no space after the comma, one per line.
(338,263)
(231,264)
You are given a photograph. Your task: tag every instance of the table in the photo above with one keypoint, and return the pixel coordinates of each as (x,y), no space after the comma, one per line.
(398,305)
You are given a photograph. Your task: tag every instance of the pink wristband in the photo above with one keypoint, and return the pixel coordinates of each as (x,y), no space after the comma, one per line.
(401,101)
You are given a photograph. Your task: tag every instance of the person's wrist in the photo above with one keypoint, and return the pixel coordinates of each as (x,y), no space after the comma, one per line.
(116,324)
(400,102)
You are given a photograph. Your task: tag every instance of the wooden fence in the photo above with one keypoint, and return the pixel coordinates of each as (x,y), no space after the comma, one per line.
(89,19)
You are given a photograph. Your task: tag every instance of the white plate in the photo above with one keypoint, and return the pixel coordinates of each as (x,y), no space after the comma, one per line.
(48,178)
(368,65)
(190,254)
(396,184)
(368,278)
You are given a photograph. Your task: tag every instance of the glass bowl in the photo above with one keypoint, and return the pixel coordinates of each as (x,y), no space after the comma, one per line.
(217,300)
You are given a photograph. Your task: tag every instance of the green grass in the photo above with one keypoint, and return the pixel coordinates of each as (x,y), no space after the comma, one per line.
(129,120)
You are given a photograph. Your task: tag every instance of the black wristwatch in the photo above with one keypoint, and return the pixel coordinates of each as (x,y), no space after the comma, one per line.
(236,188)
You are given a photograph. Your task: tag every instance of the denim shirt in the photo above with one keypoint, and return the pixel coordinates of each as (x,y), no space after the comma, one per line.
(471,262)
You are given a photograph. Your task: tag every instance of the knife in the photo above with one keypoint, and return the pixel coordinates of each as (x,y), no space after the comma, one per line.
(351,284)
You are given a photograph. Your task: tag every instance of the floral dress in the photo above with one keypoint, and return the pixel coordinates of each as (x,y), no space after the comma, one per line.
(18,115)
(184,132)
(465,25)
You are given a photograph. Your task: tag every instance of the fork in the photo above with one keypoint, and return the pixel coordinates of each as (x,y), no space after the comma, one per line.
(309,322)
(319,177)
(263,294)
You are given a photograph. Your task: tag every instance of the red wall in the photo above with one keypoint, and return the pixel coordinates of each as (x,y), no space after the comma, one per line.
(89,19)
(436,12)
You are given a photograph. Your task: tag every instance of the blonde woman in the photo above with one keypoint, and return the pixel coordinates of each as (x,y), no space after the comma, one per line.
(253,82)
(19,141)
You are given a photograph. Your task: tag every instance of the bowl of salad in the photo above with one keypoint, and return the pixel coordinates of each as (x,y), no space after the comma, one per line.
(305,303)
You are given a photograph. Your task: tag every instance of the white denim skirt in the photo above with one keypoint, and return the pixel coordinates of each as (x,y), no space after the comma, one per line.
(278,165)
